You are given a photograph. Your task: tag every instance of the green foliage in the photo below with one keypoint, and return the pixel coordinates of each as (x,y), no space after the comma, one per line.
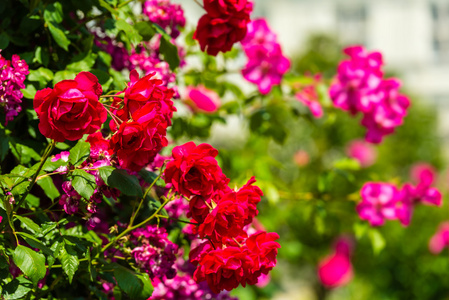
(31,263)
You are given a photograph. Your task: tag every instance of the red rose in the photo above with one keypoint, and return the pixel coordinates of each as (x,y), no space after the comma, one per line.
(263,249)
(225,221)
(216,8)
(250,196)
(224,269)
(136,143)
(194,170)
(71,109)
(224,24)
(199,206)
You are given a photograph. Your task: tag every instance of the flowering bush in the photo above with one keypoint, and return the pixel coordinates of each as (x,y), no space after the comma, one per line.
(112,188)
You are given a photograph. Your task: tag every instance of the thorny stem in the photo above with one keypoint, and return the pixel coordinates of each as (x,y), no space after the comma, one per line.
(54,173)
(134,215)
(114,118)
(112,96)
(47,153)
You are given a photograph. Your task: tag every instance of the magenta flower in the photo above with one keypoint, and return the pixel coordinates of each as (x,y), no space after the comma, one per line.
(388,113)
(440,239)
(259,34)
(12,75)
(202,99)
(336,270)
(378,203)
(265,68)
(266,63)
(167,15)
(360,87)
(357,81)
(362,151)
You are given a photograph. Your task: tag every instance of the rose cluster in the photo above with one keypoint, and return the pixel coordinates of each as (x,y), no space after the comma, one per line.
(140,121)
(167,15)
(360,87)
(12,75)
(266,64)
(382,201)
(229,256)
(223,25)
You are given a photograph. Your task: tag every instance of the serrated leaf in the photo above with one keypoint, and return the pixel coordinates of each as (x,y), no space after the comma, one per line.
(128,281)
(41,75)
(82,63)
(83,183)
(125,183)
(31,263)
(79,153)
(35,243)
(148,288)
(23,153)
(29,224)
(51,166)
(49,187)
(69,261)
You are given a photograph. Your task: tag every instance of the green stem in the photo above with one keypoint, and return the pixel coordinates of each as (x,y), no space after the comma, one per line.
(47,153)
(129,229)
(124,3)
(113,96)
(177,220)
(134,215)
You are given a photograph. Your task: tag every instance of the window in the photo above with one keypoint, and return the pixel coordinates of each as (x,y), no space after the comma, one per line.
(440,38)
(351,23)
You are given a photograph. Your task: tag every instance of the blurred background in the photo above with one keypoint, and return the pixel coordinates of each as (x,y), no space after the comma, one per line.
(311,187)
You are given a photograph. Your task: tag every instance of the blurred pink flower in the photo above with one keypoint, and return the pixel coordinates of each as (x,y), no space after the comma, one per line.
(440,239)
(378,203)
(301,158)
(259,34)
(266,64)
(423,172)
(336,270)
(362,151)
(424,175)
(263,280)
(202,99)
(309,97)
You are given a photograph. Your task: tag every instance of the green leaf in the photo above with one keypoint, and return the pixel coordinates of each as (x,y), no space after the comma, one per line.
(4,40)
(377,241)
(33,201)
(83,183)
(18,288)
(148,288)
(82,62)
(107,6)
(53,13)
(47,227)
(79,153)
(29,91)
(31,263)
(51,166)
(35,243)
(59,36)
(42,56)
(69,261)
(170,53)
(41,75)
(148,176)
(62,75)
(128,281)
(23,153)
(121,180)
(145,30)
(131,33)
(29,224)
(347,164)
(49,187)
